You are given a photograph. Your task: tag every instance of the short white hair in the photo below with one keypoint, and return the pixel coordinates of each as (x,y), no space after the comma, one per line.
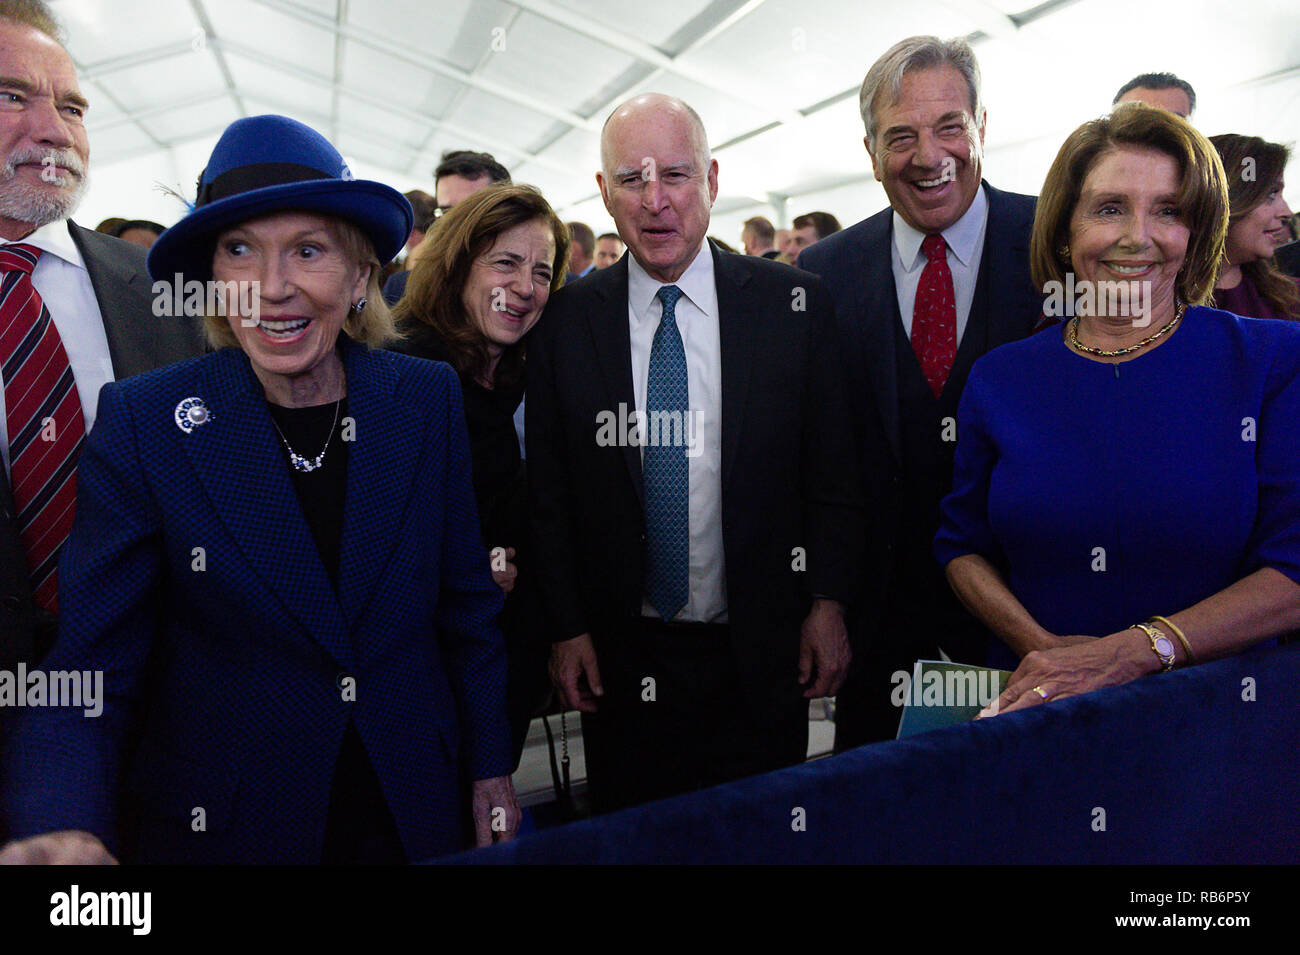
(917,53)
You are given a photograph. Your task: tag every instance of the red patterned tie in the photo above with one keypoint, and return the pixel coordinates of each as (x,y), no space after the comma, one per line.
(43,420)
(934,316)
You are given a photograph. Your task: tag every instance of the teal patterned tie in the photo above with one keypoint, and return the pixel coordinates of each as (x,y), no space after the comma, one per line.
(664,467)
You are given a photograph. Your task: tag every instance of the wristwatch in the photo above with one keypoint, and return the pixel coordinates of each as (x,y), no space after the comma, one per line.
(1161,645)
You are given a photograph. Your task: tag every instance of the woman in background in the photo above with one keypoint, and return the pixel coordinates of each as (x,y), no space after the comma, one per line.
(1250,283)
(479,285)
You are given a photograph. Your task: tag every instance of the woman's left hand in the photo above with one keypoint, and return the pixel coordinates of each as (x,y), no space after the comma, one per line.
(1066,671)
(496,811)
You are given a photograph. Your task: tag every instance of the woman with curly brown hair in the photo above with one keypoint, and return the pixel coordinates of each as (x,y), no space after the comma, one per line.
(481,280)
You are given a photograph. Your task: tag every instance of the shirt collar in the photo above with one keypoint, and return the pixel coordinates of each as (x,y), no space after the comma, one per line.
(695,282)
(54,239)
(962,236)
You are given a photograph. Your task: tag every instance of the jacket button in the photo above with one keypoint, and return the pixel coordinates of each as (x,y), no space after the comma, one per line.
(644,538)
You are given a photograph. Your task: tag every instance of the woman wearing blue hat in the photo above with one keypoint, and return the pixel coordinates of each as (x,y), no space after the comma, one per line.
(276,562)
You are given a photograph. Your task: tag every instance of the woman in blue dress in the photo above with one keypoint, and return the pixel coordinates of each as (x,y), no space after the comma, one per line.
(1127,485)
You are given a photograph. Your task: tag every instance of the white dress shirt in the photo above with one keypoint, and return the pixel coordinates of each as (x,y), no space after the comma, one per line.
(61,279)
(965,239)
(697,320)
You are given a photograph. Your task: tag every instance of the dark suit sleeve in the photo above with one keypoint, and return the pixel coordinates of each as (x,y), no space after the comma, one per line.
(63,767)
(548,497)
(468,604)
(836,509)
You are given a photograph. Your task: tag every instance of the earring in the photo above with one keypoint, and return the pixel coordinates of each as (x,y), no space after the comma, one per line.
(1063,251)
(360,306)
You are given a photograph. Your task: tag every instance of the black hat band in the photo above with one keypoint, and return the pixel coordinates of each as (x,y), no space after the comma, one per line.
(255,176)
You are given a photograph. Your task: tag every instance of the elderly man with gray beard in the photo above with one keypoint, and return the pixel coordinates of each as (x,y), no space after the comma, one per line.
(75,313)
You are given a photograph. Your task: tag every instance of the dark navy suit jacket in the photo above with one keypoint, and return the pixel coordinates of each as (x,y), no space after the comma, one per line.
(192,581)
(787,483)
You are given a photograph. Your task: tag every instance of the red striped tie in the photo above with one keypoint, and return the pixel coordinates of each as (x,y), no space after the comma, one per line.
(43,420)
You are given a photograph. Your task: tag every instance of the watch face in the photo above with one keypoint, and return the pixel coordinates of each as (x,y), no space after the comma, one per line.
(1165,647)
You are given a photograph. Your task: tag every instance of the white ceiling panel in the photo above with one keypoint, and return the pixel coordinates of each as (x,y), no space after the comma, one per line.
(655,23)
(458,32)
(98,30)
(562,67)
(279,30)
(497,119)
(117,144)
(181,124)
(372,72)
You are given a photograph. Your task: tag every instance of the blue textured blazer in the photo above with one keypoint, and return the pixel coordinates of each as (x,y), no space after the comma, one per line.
(192,581)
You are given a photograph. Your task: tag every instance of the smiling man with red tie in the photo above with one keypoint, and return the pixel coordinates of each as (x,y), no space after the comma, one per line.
(75,313)
(922,290)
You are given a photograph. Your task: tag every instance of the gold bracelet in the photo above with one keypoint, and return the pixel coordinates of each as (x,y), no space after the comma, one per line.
(1182,638)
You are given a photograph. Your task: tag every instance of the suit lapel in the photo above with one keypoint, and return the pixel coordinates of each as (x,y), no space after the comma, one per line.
(123,293)
(1006,249)
(382,463)
(239,463)
(612,339)
(876,301)
(736,309)
(1006,252)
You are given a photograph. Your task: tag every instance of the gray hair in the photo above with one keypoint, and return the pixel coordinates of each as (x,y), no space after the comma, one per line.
(918,53)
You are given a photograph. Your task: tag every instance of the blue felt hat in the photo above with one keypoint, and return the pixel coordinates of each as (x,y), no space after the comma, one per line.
(267,164)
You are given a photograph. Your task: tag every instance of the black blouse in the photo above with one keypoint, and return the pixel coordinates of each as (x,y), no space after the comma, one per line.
(321,492)
(359,828)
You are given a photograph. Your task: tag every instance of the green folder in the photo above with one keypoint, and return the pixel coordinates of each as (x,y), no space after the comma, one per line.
(942,694)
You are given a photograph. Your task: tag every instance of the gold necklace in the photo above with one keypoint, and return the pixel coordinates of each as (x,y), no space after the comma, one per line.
(1118,352)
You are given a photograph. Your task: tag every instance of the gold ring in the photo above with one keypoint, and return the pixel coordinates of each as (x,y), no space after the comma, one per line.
(1040,691)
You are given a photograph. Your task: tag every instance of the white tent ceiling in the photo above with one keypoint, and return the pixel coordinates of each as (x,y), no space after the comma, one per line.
(393,83)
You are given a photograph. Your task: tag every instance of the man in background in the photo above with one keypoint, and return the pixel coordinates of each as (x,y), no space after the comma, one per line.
(423,205)
(1159,89)
(811,227)
(461,173)
(582,251)
(609,249)
(758,235)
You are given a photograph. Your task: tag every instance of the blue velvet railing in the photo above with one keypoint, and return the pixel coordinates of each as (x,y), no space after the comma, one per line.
(1185,770)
